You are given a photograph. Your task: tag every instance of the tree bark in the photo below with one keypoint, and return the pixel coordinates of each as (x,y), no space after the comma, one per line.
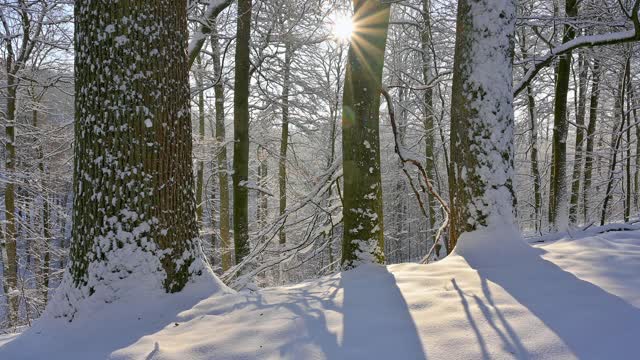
(134,202)
(429,117)
(200,171)
(558,216)
(591,131)
(482,126)
(241,132)
(284,139)
(363,240)
(616,139)
(223,172)
(583,65)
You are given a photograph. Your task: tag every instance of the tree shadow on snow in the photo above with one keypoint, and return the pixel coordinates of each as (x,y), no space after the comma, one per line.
(377,323)
(592,323)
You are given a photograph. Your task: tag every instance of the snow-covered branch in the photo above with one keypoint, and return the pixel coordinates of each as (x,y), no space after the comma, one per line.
(214,8)
(580,42)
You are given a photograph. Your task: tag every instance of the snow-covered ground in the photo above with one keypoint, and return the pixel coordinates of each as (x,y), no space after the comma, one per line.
(573,297)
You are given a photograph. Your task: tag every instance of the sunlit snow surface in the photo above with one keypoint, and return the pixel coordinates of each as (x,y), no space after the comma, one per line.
(573,297)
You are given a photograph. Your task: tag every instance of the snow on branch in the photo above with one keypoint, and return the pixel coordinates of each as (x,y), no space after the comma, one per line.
(583,41)
(214,8)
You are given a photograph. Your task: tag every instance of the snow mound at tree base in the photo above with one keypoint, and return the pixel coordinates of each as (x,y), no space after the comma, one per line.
(573,298)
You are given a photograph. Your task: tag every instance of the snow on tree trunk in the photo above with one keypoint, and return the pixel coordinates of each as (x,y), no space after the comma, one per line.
(363,230)
(482,130)
(134,206)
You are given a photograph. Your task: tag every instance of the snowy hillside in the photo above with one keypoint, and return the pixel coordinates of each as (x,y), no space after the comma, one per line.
(576,297)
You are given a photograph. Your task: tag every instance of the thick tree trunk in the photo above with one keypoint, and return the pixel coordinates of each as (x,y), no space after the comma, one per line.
(482,129)
(223,172)
(583,66)
(284,139)
(558,216)
(241,132)
(134,202)
(591,131)
(363,240)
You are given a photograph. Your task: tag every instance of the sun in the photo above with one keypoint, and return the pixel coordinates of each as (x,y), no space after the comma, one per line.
(342,27)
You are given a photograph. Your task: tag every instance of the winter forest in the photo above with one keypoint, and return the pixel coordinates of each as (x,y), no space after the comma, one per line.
(319,179)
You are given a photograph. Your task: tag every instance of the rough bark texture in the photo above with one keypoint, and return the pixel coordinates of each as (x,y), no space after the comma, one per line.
(363,223)
(134,202)
(480,181)
(558,215)
(223,173)
(241,132)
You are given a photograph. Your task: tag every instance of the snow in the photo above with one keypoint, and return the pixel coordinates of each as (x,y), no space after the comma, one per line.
(573,296)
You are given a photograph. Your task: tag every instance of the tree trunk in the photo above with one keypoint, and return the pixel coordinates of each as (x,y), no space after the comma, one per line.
(616,139)
(10,260)
(558,216)
(591,131)
(363,240)
(429,127)
(284,139)
(627,115)
(200,175)
(241,132)
(44,268)
(223,173)
(482,126)
(634,107)
(533,121)
(263,173)
(583,65)
(134,202)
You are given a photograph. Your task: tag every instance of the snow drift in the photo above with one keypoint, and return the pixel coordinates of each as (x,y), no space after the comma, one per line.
(573,297)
